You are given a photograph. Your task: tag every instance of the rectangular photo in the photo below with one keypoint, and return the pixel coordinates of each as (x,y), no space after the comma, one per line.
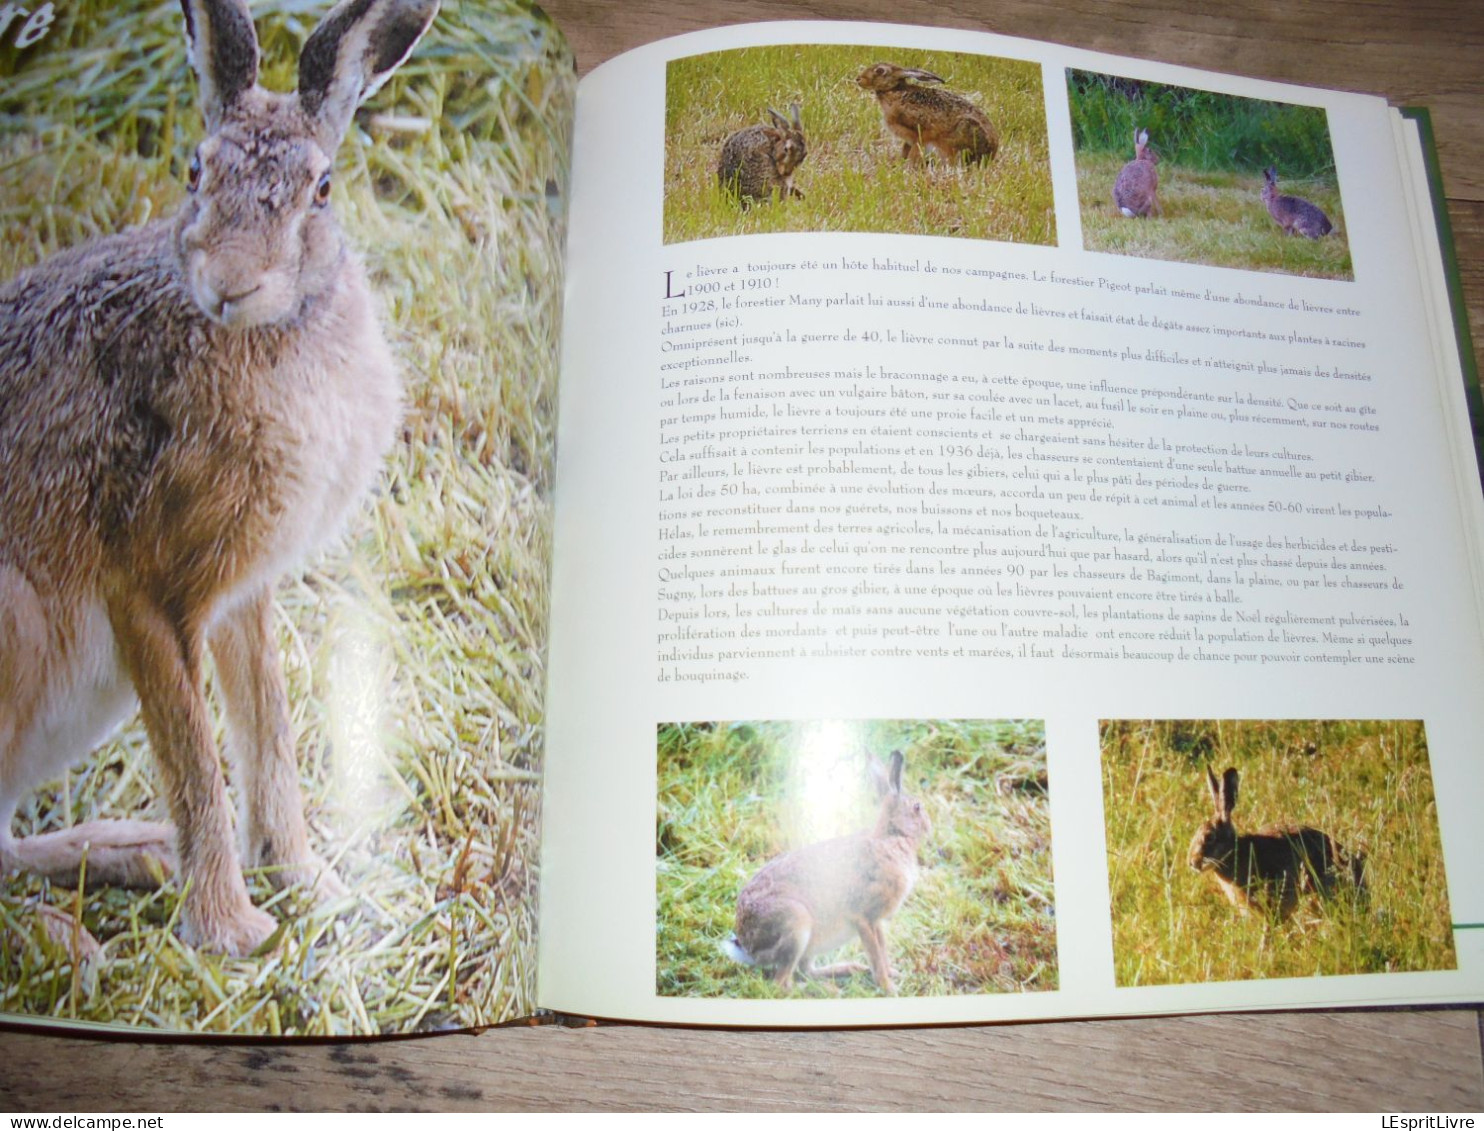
(1244,849)
(825,859)
(1171,172)
(832,138)
(277,385)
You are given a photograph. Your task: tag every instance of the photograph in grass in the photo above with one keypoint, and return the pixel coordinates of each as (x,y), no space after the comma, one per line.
(826,859)
(1272,849)
(406,639)
(832,138)
(1171,172)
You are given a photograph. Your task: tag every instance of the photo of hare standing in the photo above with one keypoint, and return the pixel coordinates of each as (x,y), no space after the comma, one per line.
(188,411)
(1136,191)
(925,117)
(812,900)
(1296,216)
(1272,867)
(758,163)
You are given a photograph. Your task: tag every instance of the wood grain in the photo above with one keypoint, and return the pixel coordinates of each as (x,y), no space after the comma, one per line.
(1319,1062)
(1424,52)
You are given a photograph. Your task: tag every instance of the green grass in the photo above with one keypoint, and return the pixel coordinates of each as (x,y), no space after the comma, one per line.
(1212,150)
(854,178)
(732,796)
(1216,218)
(1199,129)
(414,649)
(1367,784)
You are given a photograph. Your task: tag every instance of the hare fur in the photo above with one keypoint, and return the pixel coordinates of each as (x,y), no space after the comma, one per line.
(1136,191)
(1271,867)
(758,163)
(812,900)
(188,410)
(926,117)
(1296,216)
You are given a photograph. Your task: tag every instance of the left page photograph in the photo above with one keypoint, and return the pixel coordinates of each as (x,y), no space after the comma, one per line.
(280,294)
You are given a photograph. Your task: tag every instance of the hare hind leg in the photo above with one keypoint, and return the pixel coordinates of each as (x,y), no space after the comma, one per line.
(261,744)
(62,692)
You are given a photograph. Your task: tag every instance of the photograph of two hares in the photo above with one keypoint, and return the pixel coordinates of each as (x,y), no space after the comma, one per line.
(277,365)
(1172,172)
(832,138)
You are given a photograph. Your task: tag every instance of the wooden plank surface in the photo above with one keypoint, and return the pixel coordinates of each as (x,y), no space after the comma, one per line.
(1360,1061)
(1421,51)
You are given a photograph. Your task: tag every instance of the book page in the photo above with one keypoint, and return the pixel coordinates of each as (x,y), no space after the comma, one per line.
(356,513)
(1012,558)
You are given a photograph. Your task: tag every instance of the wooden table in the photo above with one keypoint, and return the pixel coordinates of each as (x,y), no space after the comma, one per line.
(1425,52)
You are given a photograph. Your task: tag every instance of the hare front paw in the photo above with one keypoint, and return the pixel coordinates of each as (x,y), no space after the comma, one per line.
(236,933)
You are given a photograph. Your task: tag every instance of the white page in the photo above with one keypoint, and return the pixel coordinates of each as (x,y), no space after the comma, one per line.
(619,439)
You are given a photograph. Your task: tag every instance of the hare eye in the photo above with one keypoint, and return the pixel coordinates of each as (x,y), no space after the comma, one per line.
(322,190)
(193,173)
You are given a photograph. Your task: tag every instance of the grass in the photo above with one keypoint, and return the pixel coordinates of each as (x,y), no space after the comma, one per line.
(854,178)
(414,649)
(1367,784)
(732,796)
(1212,149)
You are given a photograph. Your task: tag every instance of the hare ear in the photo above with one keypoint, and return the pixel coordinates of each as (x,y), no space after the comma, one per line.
(1215,783)
(778,119)
(896,771)
(798,125)
(353,51)
(222,48)
(1228,792)
(924,76)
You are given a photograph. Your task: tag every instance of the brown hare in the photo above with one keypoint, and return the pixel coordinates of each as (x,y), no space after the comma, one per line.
(1272,867)
(758,163)
(187,411)
(1136,191)
(925,117)
(814,899)
(1296,216)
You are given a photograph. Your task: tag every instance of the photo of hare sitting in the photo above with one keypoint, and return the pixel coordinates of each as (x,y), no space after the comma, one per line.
(1296,216)
(812,900)
(188,411)
(1273,866)
(758,163)
(1136,191)
(925,117)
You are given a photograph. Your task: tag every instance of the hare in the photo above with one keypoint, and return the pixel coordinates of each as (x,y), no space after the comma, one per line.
(1277,863)
(187,410)
(1136,191)
(1296,216)
(759,161)
(811,900)
(922,116)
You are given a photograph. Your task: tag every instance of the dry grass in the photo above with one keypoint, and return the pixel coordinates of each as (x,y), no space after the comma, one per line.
(414,650)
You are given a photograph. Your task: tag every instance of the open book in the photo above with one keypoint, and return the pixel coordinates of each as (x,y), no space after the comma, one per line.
(1015,549)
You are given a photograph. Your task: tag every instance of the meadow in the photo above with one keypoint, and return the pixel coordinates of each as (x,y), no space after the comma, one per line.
(1212,151)
(854,178)
(1365,783)
(414,649)
(732,796)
